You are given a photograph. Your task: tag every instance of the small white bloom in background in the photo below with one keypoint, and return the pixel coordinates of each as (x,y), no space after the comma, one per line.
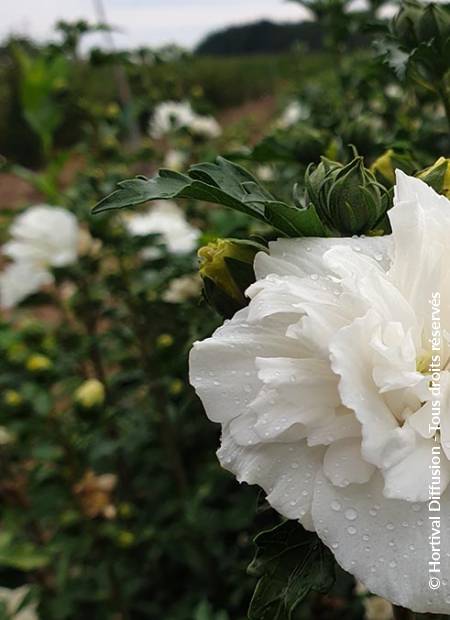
(175,160)
(169,116)
(45,236)
(292,114)
(205,127)
(265,173)
(166,219)
(19,280)
(42,237)
(182,289)
(394,91)
(172,115)
(321,386)
(6,437)
(13,599)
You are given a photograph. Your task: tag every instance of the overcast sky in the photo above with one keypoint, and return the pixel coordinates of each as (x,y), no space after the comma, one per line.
(143,22)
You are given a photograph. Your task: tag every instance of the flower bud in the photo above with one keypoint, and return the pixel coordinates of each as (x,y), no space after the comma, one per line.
(348,199)
(12,399)
(91,393)
(38,363)
(434,24)
(164,341)
(418,23)
(385,166)
(226,268)
(438,176)
(405,24)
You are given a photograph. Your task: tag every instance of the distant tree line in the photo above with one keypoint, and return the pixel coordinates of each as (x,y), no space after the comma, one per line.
(266,37)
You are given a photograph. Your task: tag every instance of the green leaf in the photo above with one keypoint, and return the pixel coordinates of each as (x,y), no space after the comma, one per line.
(21,555)
(290,562)
(224,183)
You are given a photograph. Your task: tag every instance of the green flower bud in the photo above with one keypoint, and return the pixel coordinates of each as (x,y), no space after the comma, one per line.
(348,199)
(438,176)
(405,23)
(226,268)
(385,166)
(434,23)
(418,23)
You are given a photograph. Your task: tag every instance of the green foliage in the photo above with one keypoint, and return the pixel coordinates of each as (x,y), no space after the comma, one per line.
(42,77)
(223,183)
(290,562)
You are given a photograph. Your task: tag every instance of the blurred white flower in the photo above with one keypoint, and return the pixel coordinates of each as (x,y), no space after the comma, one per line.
(292,114)
(42,237)
(172,115)
(265,173)
(183,288)
(321,386)
(166,219)
(45,236)
(205,126)
(18,280)
(169,116)
(6,437)
(175,160)
(13,599)
(394,91)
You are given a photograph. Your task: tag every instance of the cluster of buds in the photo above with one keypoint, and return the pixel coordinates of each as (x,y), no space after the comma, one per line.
(347,198)
(422,32)
(418,23)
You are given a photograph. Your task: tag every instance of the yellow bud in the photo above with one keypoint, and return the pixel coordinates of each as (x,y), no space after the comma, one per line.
(176,387)
(226,268)
(38,363)
(12,398)
(91,393)
(125,538)
(383,166)
(164,341)
(438,176)
(125,510)
(112,110)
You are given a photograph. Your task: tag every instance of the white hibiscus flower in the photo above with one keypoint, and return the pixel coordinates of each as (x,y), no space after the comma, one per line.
(172,115)
(295,112)
(19,280)
(42,237)
(205,127)
(321,388)
(166,219)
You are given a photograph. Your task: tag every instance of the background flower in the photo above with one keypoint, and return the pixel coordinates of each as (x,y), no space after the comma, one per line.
(167,220)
